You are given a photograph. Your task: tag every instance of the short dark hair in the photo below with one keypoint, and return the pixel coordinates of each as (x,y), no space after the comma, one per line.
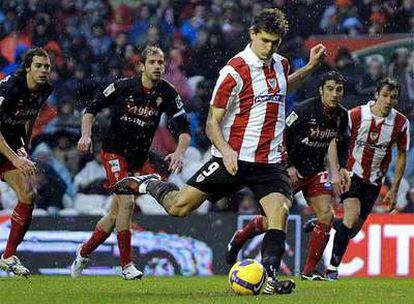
(150,50)
(331,75)
(35,51)
(389,82)
(271,20)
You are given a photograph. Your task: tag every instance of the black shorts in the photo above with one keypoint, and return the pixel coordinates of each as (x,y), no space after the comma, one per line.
(366,193)
(262,179)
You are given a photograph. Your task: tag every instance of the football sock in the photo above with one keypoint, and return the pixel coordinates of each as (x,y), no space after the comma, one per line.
(20,222)
(317,243)
(124,245)
(159,190)
(254,227)
(273,248)
(97,238)
(341,241)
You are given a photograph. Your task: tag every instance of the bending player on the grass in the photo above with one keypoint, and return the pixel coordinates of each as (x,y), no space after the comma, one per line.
(246,124)
(313,129)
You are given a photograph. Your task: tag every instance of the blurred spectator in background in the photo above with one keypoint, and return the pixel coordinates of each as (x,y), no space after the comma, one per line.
(91,196)
(50,188)
(409,207)
(375,71)
(349,68)
(65,150)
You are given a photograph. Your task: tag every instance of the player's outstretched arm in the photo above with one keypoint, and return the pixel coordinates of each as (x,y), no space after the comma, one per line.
(391,197)
(317,55)
(85,142)
(213,131)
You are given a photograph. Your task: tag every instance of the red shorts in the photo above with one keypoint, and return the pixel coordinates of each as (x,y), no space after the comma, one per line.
(117,168)
(6,165)
(314,185)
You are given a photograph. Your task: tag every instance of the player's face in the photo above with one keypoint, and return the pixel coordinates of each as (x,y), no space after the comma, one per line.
(386,99)
(39,70)
(264,44)
(154,66)
(331,93)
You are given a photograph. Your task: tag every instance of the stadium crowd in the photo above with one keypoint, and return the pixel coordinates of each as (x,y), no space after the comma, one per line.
(94,42)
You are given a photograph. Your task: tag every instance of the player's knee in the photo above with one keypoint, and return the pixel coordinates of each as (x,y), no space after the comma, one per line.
(112,216)
(28,196)
(126,202)
(181,210)
(325,214)
(278,212)
(281,209)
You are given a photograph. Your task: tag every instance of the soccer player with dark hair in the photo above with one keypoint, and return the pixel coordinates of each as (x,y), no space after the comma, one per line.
(245,124)
(312,127)
(136,106)
(375,128)
(21,97)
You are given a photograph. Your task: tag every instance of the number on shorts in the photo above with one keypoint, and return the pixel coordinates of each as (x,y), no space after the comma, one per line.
(210,170)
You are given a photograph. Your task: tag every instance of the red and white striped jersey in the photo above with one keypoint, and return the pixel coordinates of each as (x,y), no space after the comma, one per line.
(372,140)
(253,94)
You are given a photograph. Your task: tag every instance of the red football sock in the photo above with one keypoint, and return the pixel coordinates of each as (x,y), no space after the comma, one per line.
(97,238)
(20,222)
(253,228)
(317,243)
(124,245)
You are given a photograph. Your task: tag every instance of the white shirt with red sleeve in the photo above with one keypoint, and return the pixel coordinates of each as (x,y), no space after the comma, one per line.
(253,93)
(372,140)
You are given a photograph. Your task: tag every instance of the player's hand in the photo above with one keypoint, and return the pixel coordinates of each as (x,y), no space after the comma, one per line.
(175,161)
(85,145)
(25,165)
(294,175)
(345,180)
(317,55)
(390,200)
(336,184)
(230,159)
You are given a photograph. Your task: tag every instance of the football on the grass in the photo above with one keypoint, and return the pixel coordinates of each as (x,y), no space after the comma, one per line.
(247,277)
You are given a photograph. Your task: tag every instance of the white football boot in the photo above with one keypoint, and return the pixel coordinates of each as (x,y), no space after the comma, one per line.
(12,264)
(79,264)
(131,273)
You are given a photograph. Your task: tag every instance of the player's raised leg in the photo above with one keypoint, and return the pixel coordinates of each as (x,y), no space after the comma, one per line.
(254,227)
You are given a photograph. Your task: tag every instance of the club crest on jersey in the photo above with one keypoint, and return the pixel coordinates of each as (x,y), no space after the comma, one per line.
(373,135)
(272,82)
(200,178)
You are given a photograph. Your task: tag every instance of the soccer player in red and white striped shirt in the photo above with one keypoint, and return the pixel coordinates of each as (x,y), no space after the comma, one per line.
(375,128)
(246,123)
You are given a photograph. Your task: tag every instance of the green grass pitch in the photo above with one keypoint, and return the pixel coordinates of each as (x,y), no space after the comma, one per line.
(90,290)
